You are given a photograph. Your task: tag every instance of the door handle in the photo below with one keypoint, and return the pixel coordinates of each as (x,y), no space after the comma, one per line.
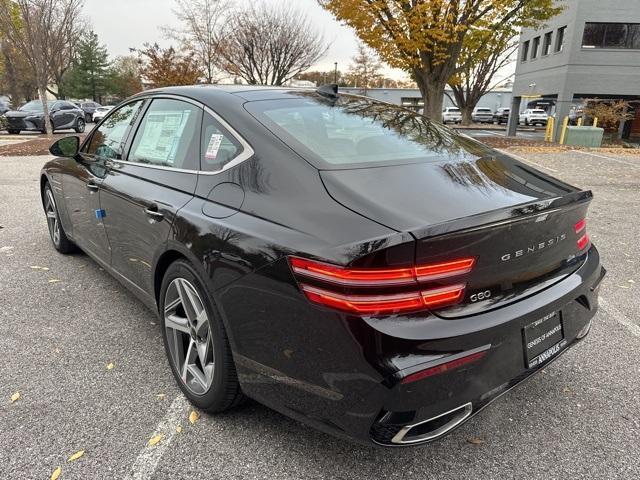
(92,186)
(153,212)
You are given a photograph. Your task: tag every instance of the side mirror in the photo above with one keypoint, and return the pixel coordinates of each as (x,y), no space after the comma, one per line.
(66,147)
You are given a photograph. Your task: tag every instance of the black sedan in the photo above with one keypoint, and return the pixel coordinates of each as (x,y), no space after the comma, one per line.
(30,117)
(344,261)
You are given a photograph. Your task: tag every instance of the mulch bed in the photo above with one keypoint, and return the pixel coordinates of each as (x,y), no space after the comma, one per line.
(36,146)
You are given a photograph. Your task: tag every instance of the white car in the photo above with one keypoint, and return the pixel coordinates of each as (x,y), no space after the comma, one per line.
(533,116)
(451,115)
(100,113)
(482,115)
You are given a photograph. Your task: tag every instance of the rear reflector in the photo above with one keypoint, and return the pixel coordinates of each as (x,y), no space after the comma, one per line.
(443,367)
(387,304)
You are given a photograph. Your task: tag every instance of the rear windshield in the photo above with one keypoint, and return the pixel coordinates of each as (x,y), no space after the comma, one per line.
(357,132)
(453,109)
(485,110)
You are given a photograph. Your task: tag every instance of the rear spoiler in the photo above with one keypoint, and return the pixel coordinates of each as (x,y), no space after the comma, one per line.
(504,216)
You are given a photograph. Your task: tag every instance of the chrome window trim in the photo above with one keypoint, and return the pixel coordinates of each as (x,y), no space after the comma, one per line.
(247,150)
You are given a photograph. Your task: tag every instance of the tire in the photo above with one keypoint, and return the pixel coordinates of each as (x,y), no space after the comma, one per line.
(80,125)
(12,131)
(87,118)
(56,231)
(210,384)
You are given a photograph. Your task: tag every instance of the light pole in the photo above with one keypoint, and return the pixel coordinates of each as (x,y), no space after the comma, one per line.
(335,73)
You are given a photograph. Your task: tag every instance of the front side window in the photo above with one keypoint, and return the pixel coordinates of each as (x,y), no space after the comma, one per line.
(108,140)
(168,135)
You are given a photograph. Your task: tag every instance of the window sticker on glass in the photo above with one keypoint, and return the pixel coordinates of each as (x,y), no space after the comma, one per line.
(161,136)
(214,146)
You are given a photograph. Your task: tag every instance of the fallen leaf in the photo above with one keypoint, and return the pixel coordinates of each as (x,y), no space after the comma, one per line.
(54,280)
(631,281)
(110,366)
(161,396)
(154,440)
(5,249)
(193,417)
(56,474)
(475,441)
(15,397)
(76,456)
(179,429)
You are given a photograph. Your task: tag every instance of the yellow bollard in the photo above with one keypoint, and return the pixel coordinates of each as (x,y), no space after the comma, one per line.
(565,124)
(595,121)
(580,122)
(548,136)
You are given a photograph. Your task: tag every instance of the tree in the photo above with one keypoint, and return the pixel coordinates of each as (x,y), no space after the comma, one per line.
(89,76)
(164,67)
(610,113)
(200,32)
(39,29)
(484,53)
(365,68)
(425,37)
(269,45)
(17,78)
(124,77)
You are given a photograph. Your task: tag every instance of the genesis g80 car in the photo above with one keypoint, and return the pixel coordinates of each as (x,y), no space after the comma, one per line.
(344,261)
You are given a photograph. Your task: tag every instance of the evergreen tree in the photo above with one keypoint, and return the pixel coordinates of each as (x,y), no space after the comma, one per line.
(90,75)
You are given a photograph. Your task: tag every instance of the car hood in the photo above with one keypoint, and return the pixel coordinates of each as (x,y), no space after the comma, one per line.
(21,114)
(408,197)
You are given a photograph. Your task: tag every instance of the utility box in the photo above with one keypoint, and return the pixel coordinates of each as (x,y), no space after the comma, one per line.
(584,136)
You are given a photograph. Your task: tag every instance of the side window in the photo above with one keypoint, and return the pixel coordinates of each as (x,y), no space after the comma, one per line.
(168,135)
(107,140)
(218,146)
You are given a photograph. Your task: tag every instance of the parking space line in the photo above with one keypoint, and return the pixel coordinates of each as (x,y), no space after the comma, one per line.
(525,160)
(637,165)
(147,460)
(620,317)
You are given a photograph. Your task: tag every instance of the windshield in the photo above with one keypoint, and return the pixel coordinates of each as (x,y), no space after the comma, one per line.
(34,106)
(356,132)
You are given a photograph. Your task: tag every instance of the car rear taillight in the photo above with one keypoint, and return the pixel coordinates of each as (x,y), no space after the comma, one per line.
(382,291)
(581,231)
(443,367)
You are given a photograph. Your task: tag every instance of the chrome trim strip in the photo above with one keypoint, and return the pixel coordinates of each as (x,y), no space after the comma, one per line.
(466,410)
(247,150)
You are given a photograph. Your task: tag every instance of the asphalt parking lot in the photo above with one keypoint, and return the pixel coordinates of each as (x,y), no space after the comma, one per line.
(63,321)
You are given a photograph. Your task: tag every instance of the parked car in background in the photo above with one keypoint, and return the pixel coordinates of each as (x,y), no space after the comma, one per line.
(100,113)
(89,108)
(451,115)
(501,116)
(4,107)
(482,115)
(574,115)
(533,116)
(348,233)
(30,117)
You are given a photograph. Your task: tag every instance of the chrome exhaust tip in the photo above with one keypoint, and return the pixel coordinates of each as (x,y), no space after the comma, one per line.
(432,428)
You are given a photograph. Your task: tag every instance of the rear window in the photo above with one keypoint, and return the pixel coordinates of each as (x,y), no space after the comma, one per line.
(538,112)
(454,110)
(355,131)
(484,110)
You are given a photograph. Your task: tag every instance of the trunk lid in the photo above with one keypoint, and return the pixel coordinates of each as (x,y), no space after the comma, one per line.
(518,223)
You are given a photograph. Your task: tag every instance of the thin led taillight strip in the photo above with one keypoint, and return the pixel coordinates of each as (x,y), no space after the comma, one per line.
(379,276)
(579,228)
(386,304)
(444,367)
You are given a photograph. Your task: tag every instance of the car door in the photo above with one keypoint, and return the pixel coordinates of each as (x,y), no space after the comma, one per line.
(143,192)
(57,115)
(82,186)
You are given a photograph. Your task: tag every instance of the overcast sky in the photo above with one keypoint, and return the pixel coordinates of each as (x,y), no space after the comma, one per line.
(122,24)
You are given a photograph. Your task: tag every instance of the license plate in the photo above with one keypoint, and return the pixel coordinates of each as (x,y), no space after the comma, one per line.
(543,339)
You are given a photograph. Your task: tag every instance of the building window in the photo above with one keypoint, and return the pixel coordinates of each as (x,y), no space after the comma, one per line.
(525,51)
(611,35)
(546,46)
(535,48)
(560,39)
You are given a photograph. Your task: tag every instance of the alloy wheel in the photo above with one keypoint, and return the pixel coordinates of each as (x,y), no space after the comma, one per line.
(189,336)
(52,217)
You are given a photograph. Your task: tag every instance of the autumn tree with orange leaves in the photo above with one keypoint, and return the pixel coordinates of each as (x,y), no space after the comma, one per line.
(425,37)
(164,67)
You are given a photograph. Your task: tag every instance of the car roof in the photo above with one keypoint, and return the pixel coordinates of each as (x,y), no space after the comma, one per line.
(207,93)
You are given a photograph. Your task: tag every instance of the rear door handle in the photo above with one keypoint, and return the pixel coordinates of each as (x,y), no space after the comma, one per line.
(153,212)
(92,186)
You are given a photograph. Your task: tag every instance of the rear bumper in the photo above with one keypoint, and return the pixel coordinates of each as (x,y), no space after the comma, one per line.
(342,374)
